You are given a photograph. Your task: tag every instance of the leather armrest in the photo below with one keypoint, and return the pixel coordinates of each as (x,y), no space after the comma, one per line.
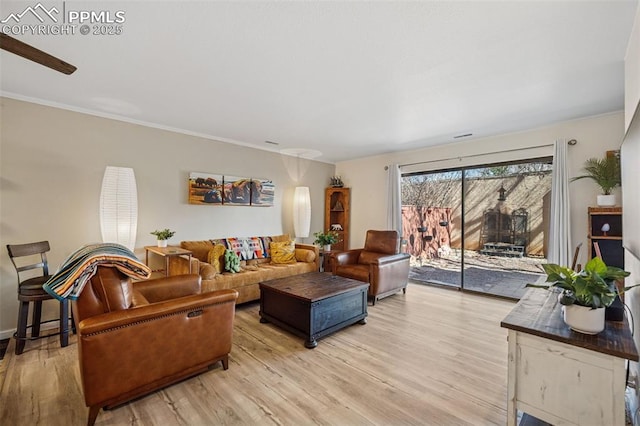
(346,257)
(392,258)
(162,289)
(117,319)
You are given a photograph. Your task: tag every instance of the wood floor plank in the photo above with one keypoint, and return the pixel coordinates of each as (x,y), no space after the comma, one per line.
(432,356)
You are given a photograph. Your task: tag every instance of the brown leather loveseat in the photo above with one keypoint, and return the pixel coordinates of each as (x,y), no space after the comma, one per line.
(134,338)
(379,263)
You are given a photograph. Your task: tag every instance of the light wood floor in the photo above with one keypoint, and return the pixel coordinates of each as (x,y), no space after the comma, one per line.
(432,356)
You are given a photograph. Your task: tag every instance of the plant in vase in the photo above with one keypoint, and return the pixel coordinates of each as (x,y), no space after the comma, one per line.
(163,235)
(585,294)
(326,239)
(606,173)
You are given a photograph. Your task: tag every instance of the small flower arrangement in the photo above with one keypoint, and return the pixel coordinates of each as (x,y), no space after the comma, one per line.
(325,239)
(164,234)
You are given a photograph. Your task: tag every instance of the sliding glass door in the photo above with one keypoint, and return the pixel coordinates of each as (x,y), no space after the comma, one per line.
(431,221)
(482,229)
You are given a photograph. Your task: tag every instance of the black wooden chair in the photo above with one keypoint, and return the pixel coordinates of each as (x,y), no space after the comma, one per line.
(30,290)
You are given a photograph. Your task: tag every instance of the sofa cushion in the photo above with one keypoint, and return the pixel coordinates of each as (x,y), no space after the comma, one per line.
(281,238)
(216,257)
(283,252)
(200,249)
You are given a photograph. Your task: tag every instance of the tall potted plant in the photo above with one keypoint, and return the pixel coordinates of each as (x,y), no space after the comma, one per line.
(585,294)
(606,173)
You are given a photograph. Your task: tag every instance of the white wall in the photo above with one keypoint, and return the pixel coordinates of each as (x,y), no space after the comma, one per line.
(595,135)
(630,182)
(51,167)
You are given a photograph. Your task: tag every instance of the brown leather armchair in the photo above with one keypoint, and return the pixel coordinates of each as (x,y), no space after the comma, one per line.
(379,263)
(135,338)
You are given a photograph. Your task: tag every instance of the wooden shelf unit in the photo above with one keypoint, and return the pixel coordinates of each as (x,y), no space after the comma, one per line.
(611,243)
(336,212)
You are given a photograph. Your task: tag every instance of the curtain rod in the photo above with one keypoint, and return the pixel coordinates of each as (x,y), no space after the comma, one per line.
(570,142)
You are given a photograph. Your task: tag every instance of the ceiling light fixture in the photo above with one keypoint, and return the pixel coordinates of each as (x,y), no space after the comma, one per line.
(463,136)
(271,143)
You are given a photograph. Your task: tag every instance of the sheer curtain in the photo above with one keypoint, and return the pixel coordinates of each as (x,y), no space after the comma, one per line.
(560,229)
(394,207)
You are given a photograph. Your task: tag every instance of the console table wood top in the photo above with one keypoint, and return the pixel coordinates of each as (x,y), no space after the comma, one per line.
(539,313)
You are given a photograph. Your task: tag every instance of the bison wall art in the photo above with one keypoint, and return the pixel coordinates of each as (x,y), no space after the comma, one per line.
(205,188)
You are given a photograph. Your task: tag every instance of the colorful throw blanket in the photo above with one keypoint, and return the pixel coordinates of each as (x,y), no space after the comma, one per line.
(81,265)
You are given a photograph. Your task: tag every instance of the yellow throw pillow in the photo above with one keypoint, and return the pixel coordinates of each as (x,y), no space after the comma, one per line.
(283,252)
(216,257)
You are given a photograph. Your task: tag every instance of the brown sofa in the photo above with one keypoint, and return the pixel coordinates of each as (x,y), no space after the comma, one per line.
(135,338)
(253,271)
(379,263)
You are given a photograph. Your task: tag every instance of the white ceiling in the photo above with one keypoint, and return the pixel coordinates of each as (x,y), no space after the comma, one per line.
(349,79)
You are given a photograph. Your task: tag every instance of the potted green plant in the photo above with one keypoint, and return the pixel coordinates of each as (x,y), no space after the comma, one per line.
(606,173)
(585,294)
(326,239)
(163,235)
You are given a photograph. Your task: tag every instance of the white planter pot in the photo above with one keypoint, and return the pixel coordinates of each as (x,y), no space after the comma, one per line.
(607,200)
(327,247)
(584,319)
(162,243)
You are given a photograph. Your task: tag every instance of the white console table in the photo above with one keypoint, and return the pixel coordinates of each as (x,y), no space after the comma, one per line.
(560,376)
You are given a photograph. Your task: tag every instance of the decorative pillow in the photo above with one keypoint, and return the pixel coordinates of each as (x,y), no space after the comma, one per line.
(266,243)
(255,248)
(231,261)
(235,245)
(216,257)
(283,252)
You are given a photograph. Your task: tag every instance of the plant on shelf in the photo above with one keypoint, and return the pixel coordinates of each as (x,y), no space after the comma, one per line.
(163,235)
(326,239)
(606,173)
(585,294)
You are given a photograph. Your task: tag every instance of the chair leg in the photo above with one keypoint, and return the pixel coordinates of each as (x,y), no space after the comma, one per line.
(64,323)
(225,362)
(404,290)
(21,334)
(73,323)
(93,414)
(37,315)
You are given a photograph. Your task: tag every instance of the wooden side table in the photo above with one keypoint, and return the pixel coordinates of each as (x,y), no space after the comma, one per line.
(325,262)
(167,252)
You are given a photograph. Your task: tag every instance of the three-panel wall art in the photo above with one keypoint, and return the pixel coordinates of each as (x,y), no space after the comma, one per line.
(213,189)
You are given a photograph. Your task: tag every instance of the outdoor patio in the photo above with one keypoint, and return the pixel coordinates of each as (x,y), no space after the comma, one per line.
(500,276)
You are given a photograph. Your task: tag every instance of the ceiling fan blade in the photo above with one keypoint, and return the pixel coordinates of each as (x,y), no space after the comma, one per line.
(13,45)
